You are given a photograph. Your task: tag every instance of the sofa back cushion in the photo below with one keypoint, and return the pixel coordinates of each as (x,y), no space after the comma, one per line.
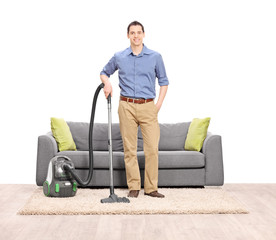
(172,136)
(80,133)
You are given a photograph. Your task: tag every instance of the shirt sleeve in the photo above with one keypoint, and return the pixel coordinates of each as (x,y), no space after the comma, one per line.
(110,67)
(161,72)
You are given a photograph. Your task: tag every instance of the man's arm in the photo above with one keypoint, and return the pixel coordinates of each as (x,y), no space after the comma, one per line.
(162,80)
(108,70)
(162,94)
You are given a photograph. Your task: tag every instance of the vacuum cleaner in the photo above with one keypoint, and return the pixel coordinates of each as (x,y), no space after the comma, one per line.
(62,178)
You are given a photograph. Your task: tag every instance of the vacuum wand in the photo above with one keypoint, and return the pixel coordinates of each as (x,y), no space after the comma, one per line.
(110,143)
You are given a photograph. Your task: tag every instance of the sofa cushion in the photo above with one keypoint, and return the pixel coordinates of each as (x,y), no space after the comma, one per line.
(80,133)
(172,136)
(176,159)
(197,134)
(181,159)
(62,134)
(167,159)
(100,159)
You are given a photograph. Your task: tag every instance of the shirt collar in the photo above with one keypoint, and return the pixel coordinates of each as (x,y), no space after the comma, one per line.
(145,50)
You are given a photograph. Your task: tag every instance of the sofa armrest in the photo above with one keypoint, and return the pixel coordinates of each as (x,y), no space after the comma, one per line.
(46,150)
(212,149)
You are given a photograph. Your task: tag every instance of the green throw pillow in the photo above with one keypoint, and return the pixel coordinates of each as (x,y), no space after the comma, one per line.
(196,134)
(62,134)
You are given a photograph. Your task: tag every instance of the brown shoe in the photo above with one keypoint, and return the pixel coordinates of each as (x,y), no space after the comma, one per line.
(133,193)
(155,194)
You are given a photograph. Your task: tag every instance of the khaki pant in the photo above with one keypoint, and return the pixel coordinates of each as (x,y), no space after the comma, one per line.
(131,115)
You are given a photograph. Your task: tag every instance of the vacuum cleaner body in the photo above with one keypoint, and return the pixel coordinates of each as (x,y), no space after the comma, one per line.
(59,183)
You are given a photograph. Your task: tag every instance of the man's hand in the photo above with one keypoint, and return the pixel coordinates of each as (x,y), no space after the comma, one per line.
(107,85)
(158,106)
(107,89)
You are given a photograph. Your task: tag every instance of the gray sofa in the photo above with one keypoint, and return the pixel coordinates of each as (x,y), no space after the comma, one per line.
(177,167)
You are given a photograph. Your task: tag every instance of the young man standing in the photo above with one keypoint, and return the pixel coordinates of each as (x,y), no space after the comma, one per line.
(138,68)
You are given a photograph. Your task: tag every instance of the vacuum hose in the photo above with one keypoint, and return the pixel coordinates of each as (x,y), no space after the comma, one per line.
(67,167)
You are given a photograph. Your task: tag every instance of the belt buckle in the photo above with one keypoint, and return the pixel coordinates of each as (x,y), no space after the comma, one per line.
(139,100)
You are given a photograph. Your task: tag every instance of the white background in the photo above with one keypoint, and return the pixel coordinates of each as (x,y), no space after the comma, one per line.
(220,58)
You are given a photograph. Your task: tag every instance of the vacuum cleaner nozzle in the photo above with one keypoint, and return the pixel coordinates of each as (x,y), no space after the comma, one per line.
(114,198)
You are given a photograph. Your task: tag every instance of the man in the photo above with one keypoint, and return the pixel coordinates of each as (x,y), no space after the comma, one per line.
(138,68)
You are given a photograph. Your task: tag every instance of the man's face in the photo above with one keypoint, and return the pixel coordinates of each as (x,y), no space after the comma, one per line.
(136,35)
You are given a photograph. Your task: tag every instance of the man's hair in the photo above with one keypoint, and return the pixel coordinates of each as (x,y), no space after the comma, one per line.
(135,23)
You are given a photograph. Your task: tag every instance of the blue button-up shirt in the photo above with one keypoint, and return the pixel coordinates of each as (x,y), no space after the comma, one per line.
(137,74)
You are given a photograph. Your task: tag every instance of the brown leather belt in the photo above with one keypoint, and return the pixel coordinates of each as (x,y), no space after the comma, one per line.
(136,100)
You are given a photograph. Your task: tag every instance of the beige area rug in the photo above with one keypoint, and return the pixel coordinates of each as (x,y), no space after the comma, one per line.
(176,201)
